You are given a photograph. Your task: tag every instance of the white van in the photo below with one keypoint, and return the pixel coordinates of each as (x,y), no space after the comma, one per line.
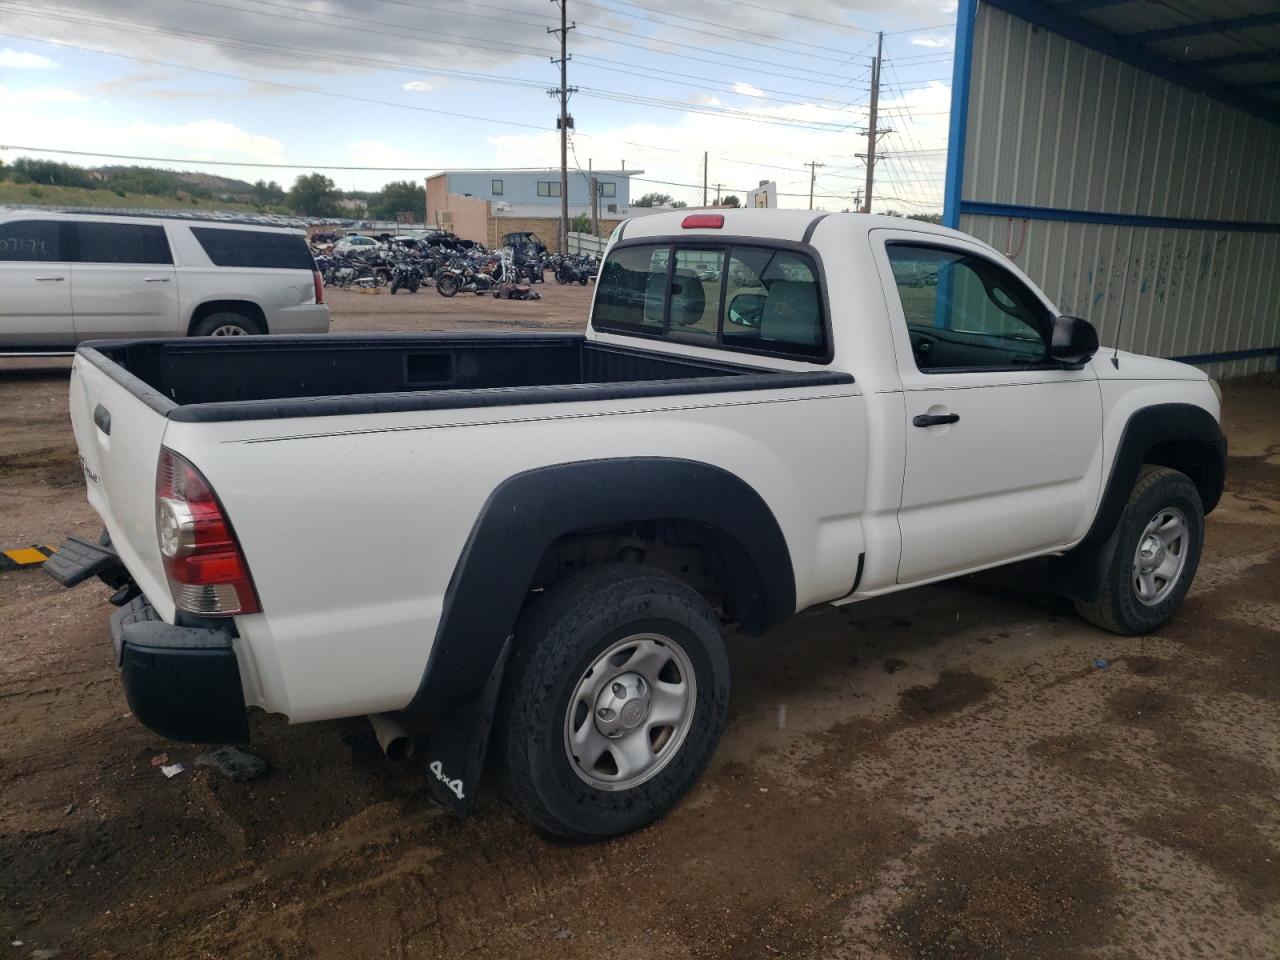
(70,277)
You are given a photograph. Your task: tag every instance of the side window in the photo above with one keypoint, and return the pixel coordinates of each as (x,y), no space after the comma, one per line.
(495,187)
(964,311)
(772,302)
(121,243)
(31,240)
(608,189)
(632,290)
(256,248)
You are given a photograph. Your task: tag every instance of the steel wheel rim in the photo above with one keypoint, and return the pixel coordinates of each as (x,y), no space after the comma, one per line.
(1160,556)
(647,681)
(228,330)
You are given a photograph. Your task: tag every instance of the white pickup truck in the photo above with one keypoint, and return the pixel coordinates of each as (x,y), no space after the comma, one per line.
(540,535)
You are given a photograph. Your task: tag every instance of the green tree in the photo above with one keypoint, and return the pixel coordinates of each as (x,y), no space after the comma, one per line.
(730,201)
(267,193)
(652,200)
(399,196)
(678,204)
(580,224)
(314,195)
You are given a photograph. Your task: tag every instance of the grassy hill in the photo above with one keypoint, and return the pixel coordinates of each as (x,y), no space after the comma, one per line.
(31,195)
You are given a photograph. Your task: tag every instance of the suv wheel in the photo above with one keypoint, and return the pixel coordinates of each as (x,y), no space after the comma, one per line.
(615,699)
(225,323)
(1161,534)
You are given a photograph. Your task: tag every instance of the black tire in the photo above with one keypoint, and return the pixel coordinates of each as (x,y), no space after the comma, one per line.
(223,322)
(395,285)
(447,285)
(1118,607)
(558,637)
(414,287)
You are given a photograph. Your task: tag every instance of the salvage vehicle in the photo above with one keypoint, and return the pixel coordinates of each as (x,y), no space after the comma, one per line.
(553,527)
(69,277)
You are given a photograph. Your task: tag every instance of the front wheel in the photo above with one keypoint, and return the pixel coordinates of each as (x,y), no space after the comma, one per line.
(448,285)
(1160,536)
(395,285)
(615,699)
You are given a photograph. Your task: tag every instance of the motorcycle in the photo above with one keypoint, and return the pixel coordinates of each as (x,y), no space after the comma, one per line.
(405,275)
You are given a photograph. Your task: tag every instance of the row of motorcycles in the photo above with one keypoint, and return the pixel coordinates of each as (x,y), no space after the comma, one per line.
(504,274)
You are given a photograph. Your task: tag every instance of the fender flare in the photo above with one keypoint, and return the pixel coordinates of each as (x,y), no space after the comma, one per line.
(1079,573)
(529,511)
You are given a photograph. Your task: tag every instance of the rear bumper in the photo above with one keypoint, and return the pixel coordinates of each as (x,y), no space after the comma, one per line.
(181,682)
(302,318)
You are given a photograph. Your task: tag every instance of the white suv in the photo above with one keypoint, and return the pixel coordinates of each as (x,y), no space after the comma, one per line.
(70,277)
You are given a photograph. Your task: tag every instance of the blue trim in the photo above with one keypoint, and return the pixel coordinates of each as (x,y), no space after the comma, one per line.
(1206,27)
(1083,6)
(962,67)
(1229,355)
(1133,53)
(1019,211)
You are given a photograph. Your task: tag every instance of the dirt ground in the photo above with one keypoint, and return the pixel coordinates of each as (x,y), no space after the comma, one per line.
(944,773)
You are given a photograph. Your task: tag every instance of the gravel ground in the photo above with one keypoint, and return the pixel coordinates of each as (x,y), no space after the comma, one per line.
(944,773)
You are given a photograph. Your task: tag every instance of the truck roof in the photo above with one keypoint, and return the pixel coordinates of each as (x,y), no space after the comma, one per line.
(794,225)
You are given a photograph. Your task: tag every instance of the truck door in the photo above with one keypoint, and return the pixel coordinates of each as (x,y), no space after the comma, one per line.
(35,286)
(1003,444)
(124,281)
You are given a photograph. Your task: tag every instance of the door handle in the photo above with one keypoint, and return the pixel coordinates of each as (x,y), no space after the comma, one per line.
(155,279)
(102,419)
(934,419)
(47,279)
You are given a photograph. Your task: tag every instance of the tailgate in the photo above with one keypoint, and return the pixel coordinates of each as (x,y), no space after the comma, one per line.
(119,436)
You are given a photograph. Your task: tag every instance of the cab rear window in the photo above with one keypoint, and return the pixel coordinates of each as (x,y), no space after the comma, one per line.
(747,297)
(255,248)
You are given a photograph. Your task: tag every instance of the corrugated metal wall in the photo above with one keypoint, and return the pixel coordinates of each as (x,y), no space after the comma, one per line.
(1053,124)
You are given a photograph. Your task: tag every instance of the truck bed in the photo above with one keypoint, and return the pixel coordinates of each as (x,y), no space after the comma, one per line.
(257,378)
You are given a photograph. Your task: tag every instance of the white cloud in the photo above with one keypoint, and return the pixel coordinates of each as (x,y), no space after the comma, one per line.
(747,90)
(24,60)
(416,86)
(934,41)
(377,153)
(34,95)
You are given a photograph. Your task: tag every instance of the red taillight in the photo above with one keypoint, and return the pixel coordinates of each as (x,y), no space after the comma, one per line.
(206,570)
(703,221)
(319,281)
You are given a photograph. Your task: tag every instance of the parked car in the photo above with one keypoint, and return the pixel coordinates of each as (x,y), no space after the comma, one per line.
(70,277)
(354,243)
(555,566)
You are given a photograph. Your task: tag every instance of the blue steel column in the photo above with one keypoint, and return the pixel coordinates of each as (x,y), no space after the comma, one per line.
(962,66)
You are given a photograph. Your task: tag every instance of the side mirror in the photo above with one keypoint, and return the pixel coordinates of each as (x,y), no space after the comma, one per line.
(746,309)
(1074,340)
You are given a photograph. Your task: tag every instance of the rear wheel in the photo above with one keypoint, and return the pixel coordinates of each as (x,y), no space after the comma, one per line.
(1161,534)
(225,323)
(615,699)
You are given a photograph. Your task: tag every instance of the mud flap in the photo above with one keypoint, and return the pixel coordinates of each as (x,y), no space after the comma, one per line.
(1080,574)
(457,742)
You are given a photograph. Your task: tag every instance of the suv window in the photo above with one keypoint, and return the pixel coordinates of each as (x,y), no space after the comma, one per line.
(965,312)
(31,240)
(751,298)
(255,248)
(120,243)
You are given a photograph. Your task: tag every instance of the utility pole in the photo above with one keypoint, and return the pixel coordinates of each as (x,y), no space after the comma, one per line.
(595,200)
(704,178)
(813,176)
(564,121)
(718,186)
(873,131)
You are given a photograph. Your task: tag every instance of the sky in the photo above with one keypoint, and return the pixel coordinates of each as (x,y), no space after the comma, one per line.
(763,87)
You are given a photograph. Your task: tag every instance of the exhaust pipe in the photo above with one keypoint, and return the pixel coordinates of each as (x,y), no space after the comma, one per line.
(394,740)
